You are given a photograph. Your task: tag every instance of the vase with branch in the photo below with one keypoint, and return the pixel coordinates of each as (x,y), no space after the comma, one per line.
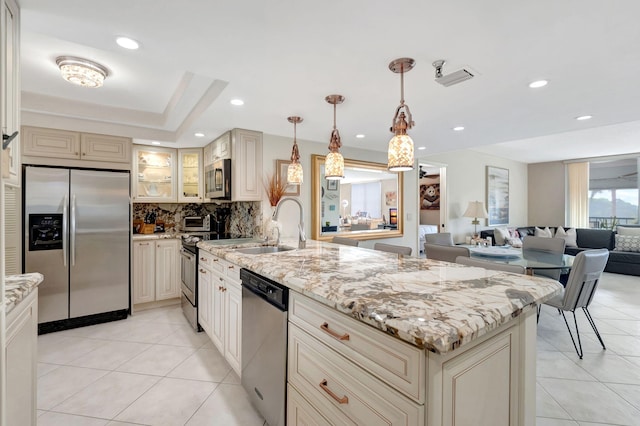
(275,189)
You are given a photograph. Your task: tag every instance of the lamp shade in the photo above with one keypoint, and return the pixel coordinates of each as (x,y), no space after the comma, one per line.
(294,174)
(400,154)
(334,166)
(476,210)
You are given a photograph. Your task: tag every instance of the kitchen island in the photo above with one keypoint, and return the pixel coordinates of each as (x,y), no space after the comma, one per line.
(453,345)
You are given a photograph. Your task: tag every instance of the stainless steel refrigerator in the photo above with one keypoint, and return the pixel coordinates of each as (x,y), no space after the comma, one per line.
(77,234)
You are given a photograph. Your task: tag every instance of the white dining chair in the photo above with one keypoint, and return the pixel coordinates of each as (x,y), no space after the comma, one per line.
(391,248)
(442,238)
(579,291)
(345,241)
(445,253)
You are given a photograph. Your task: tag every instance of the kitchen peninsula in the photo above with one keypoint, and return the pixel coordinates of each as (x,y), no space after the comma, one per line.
(374,335)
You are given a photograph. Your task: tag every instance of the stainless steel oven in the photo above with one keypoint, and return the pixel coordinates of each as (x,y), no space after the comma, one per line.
(217,180)
(189,281)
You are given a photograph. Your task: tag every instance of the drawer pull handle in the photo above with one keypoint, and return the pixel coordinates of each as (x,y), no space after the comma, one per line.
(325,327)
(230,266)
(204,259)
(343,400)
(203,271)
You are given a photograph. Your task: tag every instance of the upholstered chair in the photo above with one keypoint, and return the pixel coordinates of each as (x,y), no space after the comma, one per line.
(446,253)
(391,248)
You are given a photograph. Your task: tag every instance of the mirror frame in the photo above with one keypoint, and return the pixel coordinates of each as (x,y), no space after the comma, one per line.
(317,161)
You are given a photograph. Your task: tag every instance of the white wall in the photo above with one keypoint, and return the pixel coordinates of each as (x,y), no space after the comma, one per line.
(466,181)
(547,195)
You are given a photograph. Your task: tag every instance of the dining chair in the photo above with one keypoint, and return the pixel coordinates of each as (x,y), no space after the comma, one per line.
(391,248)
(531,246)
(446,253)
(578,293)
(442,238)
(345,241)
(486,264)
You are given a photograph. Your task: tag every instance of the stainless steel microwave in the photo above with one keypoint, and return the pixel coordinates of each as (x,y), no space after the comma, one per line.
(217,180)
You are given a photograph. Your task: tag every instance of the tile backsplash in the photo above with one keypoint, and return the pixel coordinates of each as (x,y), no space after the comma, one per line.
(245,218)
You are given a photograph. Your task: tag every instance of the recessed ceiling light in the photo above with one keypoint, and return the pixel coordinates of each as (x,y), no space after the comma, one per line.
(584,117)
(237,102)
(538,84)
(155,143)
(127,43)
(360,136)
(458,128)
(422,147)
(199,135)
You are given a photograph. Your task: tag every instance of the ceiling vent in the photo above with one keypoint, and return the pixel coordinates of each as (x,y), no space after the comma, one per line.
(453,78)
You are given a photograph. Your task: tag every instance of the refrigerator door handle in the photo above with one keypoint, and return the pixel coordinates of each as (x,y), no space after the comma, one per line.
(73,230)
(65,230)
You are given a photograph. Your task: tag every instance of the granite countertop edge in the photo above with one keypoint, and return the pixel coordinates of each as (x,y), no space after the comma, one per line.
(18,287)
(438,306)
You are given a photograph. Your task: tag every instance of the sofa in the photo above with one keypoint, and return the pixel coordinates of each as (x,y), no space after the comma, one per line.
(620,262)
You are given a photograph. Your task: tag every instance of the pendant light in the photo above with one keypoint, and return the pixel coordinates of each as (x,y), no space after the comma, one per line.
(294,171)
(334,162)
(400,154)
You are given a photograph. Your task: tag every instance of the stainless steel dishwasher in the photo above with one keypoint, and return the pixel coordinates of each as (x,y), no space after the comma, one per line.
(264,345)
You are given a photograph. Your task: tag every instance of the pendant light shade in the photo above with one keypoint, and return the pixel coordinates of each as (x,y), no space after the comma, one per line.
(400,153)
(334,162)
(295,175)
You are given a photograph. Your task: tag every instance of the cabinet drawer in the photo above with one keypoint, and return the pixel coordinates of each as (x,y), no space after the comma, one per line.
(209,261)
(395,362)
(231,271)
(300,412)
(340,390)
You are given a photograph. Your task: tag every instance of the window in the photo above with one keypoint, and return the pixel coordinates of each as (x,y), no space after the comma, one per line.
(613,193)
(366,199)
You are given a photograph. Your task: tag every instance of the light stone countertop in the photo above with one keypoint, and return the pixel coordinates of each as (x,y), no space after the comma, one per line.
(17,287)
(434,305)
(158,236)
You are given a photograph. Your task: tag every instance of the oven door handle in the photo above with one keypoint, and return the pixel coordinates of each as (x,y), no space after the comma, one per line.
(187,254)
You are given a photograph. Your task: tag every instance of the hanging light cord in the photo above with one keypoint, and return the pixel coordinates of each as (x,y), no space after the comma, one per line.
(399,125)
(334,143)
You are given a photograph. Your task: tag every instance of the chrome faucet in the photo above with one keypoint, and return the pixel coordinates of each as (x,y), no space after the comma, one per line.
(302,239)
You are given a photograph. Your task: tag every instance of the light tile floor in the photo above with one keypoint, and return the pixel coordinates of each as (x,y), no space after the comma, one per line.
(152,369)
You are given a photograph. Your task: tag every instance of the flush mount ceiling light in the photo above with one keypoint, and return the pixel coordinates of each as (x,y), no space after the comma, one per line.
(82,72)
(584,117)
(453,78)
(294,171)
(538,84)
(334,162)
(400,154)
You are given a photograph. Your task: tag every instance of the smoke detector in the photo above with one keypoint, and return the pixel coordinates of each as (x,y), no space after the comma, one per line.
(453,78)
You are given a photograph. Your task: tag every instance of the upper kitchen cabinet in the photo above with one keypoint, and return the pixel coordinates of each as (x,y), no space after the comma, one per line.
(244,150)
(68,148)
(219,149)
(153,174)
(190,172)
(10,89)
(246,165)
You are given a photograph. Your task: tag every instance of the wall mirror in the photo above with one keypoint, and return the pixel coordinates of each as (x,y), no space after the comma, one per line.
(365,205)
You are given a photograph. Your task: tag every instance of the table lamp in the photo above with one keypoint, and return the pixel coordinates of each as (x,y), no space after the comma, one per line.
(476,210)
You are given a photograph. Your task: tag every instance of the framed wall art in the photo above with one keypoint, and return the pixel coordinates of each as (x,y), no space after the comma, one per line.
(497,195)
(281,168)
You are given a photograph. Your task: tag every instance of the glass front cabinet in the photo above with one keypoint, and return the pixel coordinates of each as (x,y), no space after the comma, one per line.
(154,174)
(190,171)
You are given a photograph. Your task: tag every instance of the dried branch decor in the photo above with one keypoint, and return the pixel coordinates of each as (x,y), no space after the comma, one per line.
(275,188)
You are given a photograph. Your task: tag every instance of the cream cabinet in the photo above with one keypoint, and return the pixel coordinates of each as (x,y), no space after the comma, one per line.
(220,306)
(190,176)
(156,270)
(65,144)
(10,89)
(341,371)
(154,174)
(21,354)
(218,149)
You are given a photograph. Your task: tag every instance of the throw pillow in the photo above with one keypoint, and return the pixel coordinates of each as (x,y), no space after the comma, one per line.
(545,233)
(622,230)
(514,242)
(500,235)
(570,237)
(628,243)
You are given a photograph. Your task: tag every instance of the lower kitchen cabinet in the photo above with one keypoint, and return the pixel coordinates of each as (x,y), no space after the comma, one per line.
(156,270)
(220,306)
(21,352)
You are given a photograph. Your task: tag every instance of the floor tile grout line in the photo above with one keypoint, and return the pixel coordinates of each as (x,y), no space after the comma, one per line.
(203,402)
(636,407)
(555,400)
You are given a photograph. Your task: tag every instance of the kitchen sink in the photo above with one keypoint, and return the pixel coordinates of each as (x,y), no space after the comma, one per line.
(263,249)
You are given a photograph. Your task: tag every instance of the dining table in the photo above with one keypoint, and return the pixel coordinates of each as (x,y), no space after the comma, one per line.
(530,259)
